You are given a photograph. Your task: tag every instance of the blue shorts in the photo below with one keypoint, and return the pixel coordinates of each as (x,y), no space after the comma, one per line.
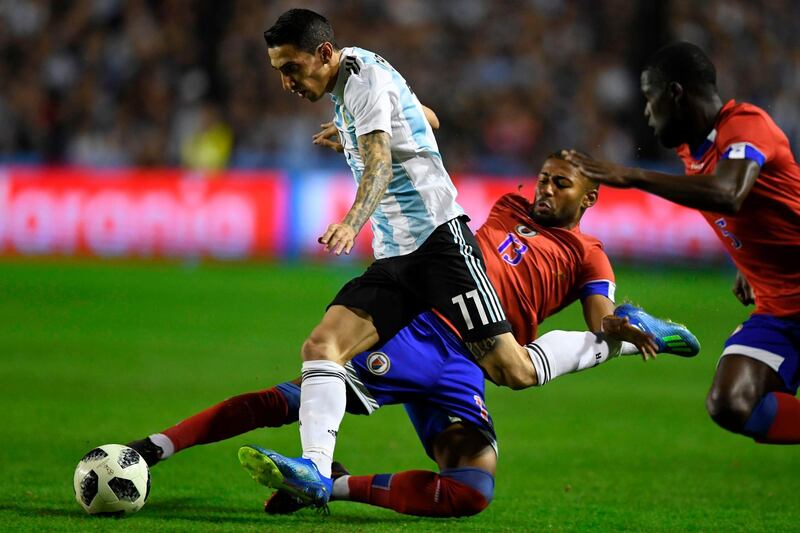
(773,341)
(427,368)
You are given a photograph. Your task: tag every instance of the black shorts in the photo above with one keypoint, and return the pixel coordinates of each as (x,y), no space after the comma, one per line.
(446,273)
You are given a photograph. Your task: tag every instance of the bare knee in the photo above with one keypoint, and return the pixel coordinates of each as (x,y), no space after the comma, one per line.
(509,364)
(318,347)
(343,333)
(730,407)
(519,378)
(740,383)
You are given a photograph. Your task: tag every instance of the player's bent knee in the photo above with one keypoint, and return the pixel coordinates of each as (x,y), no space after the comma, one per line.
(512,369)
(318,348)
(515,377)
(522,379)
(470,490)
(729,409)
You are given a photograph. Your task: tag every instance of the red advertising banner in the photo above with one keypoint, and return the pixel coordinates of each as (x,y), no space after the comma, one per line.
(122,213)
(239,214)
(318,200)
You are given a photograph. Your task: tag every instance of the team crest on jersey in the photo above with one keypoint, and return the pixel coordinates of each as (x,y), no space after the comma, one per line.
(378,363)
(525,231)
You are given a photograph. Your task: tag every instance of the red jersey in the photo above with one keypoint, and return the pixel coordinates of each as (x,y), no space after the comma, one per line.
(537,270)
(763,238)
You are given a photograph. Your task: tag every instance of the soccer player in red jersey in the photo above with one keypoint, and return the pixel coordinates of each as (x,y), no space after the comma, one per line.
(540,262)
(742,176)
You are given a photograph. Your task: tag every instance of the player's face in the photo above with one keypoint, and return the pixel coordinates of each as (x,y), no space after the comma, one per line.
(661,111)
(562,194)
(302,73)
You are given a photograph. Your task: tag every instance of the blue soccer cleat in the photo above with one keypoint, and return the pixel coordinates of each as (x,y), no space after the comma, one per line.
(670,337)
(298,477)
(281,502)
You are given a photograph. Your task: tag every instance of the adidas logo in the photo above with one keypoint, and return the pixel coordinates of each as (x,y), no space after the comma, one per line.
(676,343)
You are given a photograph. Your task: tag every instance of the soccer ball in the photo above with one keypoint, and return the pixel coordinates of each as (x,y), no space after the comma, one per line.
(112,479)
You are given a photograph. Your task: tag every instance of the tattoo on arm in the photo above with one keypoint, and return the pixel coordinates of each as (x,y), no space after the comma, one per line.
(377,155)
(480,348)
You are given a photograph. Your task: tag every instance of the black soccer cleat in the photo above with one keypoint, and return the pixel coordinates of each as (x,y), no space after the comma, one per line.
(282,502)
(150,451)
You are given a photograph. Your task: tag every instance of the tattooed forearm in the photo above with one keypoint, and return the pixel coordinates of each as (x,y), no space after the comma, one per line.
(374,149)
(480,348)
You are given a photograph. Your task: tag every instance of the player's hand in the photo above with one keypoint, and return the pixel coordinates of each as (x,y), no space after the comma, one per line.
(338,238)
(328,137)
(600,171)
(742,290)
(620,329)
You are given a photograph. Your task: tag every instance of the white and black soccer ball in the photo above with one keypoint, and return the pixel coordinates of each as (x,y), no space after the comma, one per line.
(112,479)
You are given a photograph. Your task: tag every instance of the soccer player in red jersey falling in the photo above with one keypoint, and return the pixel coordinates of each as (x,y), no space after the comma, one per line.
(539,261)
(742,176)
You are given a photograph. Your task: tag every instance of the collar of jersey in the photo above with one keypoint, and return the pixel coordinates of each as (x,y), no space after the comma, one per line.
(709,142)
(337,94)
(705,145)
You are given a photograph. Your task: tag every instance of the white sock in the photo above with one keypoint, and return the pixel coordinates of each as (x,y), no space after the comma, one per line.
(163,442)
(562,352)
(322,403)
(341,490)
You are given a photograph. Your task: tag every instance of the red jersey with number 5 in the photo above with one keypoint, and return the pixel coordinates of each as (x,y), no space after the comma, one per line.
(763,238)
(537,270)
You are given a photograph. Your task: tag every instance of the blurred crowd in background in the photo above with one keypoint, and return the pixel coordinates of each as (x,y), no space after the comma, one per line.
(187,82)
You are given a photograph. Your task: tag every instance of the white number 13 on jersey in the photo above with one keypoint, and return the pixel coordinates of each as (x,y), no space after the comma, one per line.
(462,304)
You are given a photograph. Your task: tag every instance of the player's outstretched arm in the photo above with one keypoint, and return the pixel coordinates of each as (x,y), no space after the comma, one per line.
(721,192)
(376,153)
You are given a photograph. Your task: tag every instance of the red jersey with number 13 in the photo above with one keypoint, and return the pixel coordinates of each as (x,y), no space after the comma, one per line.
(763,238)
(538,270)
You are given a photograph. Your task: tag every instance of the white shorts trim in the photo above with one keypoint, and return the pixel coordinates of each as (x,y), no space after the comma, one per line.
(772,360)
(361,391)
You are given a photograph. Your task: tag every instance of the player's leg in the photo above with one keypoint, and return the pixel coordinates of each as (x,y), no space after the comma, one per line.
(448,272)
(754,387)
(463,486)
(303,477)
(558,353)
(365,310)
(342,333)
(452,421)
(273,407)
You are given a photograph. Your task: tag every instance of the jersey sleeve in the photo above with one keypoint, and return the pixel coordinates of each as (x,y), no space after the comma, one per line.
(597,276)
(367,96)
(747,136)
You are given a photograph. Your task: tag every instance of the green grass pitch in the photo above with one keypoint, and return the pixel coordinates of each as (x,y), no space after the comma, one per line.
(93,353)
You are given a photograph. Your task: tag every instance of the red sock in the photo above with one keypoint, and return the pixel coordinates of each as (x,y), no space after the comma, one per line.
(785,426)
(232,417)
(417,492)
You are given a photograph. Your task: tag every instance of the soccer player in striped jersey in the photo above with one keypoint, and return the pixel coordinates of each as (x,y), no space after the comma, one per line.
(426,256)
(541,261)
(743,178)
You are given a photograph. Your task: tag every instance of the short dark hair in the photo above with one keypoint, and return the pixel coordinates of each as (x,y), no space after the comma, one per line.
(302,28)
(562,156)
(684,63)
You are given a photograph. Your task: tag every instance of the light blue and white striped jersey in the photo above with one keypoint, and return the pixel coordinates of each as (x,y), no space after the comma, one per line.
(370,95)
